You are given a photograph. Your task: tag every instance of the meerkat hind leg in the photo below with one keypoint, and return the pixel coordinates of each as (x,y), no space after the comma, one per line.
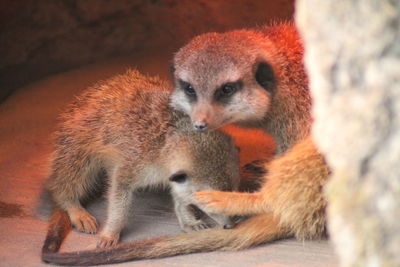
(82,220)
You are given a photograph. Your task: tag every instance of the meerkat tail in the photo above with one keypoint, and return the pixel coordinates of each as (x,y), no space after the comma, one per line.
(256,230)
(58,229)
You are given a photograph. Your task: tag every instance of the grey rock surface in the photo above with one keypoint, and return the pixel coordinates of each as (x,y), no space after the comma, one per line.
(353,60)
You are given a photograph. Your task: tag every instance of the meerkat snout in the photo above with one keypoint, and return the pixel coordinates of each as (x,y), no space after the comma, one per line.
(200,126)
(201,117)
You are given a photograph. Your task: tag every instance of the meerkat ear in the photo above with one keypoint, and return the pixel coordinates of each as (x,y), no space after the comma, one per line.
(178,177)
(264,75)
(172,71)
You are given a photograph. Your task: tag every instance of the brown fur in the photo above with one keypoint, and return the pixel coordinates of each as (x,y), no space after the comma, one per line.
(291,201)
(126,128)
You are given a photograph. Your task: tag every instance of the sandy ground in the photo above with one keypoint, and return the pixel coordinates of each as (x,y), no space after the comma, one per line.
(27,120)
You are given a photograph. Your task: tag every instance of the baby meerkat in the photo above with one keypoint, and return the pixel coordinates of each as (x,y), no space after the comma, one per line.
(126,128)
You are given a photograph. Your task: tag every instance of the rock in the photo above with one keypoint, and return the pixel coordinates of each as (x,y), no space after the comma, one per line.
(353,60)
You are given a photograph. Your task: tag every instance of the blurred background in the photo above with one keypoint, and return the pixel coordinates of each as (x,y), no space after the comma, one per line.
(41,37)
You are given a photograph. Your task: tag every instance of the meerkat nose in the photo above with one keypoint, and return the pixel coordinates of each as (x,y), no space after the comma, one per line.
(200,126)
(229,225)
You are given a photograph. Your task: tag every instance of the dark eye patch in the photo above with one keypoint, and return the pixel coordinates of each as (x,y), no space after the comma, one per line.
(172,71)
(178,177)
(227,90)
(188,90)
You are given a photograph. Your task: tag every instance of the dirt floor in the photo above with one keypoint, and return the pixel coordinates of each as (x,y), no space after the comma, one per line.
(28,118)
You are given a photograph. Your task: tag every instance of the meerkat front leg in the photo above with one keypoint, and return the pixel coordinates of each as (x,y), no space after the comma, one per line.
(232,203)
(119,203)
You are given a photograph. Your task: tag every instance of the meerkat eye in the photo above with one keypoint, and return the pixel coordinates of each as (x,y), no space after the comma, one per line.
(188,88)
(228,89)
(224,93)
(179,177)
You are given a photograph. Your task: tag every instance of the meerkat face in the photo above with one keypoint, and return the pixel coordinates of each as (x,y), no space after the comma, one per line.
(222,79)
(202,161)
(197,161)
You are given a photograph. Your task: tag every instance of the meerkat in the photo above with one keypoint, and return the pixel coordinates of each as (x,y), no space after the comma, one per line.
(126,128)
(252,78)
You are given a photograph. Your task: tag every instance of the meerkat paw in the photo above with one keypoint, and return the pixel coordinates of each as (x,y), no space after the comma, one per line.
(107,241)
(200,226)
(82,220)
(213,201)
(196,226)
